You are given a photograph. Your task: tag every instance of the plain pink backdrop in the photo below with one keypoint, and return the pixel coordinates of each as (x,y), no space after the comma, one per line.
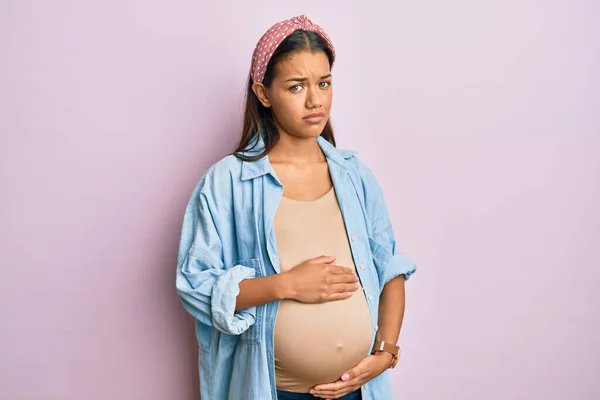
(480,119)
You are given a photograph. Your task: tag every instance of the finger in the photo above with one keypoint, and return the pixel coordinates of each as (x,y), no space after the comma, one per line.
(340,270)
(344,278)
(329,387)
(338,296)
(340,384)
(321,260)
(344,287)
(353,374)
(339,388)
(334,394)
(339,394)
(353,378)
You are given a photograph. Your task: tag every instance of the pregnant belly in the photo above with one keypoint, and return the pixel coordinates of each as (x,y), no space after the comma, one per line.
(317,343)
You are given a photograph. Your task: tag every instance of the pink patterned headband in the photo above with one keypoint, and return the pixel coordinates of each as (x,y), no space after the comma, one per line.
(269,42)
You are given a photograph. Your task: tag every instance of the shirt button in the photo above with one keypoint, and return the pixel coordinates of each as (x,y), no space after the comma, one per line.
(353,238)
(362,266)
(366,386)
(370,297)
(376,327)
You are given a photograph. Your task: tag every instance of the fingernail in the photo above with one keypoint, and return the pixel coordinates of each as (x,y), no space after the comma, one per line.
(345,377)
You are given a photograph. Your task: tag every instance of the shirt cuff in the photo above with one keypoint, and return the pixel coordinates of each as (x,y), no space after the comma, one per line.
(223,300)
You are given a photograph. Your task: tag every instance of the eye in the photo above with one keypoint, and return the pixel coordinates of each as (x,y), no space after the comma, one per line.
(324,85)
(296,88)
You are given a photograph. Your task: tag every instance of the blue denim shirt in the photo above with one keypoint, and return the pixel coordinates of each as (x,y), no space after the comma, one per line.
(227,236)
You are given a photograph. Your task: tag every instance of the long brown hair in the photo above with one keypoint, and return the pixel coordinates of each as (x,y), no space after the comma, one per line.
(258,119)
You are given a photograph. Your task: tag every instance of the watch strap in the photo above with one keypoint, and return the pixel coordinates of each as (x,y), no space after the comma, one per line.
(382,346)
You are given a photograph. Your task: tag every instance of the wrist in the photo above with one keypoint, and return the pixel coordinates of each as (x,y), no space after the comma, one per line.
(385,358)
(284,288)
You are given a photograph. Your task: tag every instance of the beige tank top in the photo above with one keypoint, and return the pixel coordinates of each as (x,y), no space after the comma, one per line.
(316,343)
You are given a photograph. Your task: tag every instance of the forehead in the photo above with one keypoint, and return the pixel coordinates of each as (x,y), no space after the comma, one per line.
(306,63)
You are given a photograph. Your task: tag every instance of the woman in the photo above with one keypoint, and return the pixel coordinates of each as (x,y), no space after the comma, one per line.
(287,258)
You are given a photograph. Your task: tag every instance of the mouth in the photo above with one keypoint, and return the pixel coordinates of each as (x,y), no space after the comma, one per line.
(314,118)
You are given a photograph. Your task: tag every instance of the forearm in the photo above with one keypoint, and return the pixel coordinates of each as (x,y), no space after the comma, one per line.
(259,291)
(391,310)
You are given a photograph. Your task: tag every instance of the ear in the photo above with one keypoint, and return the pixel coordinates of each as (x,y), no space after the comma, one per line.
(261,92)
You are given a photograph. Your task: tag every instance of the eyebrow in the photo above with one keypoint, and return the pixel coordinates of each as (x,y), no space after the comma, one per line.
(304,78)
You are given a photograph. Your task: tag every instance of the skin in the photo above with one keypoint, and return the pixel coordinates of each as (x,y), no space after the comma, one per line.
(303,85)
(391,314)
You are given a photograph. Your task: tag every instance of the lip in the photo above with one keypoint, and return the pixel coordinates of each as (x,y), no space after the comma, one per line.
(314,118)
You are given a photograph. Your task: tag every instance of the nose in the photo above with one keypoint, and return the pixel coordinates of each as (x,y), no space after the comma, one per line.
(313,98)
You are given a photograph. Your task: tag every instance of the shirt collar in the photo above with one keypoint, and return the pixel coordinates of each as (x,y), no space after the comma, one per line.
(254,169)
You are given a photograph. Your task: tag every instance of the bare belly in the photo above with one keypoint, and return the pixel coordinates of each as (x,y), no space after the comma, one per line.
(317,343)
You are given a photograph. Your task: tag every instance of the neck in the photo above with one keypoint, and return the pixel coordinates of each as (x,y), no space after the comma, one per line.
(296,150)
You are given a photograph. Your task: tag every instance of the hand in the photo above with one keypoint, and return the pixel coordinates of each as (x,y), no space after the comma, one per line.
(367,369)
(318,281)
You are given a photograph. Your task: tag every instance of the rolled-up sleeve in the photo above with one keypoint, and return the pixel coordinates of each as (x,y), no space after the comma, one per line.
(390,261)
(206,286)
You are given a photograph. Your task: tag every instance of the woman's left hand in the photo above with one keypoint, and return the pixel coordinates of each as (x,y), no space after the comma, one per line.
(367,369)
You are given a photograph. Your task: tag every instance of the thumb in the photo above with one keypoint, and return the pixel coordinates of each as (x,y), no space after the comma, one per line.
(348,375)
(352,373)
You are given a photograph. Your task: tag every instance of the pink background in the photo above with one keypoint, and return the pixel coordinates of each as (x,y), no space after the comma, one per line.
(480,119)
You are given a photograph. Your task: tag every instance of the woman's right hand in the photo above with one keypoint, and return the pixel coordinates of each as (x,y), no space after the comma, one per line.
(318,280)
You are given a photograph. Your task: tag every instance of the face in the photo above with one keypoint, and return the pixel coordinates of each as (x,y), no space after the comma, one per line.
(300,95)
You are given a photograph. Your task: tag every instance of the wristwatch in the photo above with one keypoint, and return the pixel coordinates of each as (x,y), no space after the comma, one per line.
(393,349)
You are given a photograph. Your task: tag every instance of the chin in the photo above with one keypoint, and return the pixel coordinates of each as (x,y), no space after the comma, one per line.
(313,131)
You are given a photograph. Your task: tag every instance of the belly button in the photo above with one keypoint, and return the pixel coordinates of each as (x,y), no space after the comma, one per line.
(340,346)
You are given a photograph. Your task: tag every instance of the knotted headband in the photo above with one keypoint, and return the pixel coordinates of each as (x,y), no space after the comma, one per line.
(269,42)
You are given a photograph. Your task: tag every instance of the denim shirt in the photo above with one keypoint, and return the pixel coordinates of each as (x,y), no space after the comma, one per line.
(227,236)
